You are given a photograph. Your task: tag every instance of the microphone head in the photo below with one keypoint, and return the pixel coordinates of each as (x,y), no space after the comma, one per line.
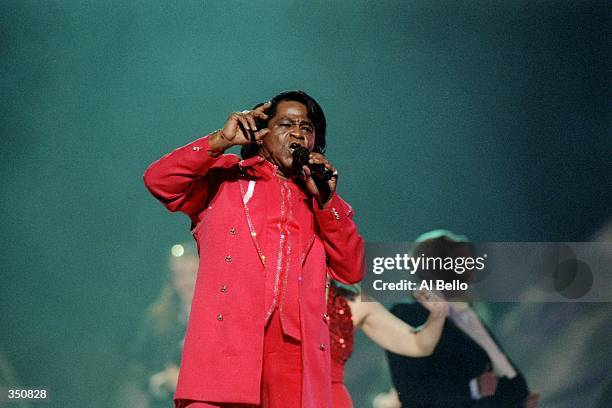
(301,155)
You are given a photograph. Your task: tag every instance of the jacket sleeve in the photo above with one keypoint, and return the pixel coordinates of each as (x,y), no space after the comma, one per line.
(343,244)
(179,179)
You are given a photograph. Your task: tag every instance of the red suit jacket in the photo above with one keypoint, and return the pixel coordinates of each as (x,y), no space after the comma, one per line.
(223,351)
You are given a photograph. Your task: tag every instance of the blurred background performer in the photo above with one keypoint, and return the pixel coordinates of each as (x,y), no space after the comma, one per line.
(468,368)
(348,310)
(267,233)
(154,358)
(10,381)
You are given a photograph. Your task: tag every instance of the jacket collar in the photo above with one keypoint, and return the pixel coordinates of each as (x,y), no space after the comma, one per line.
(258,167)
(251,161)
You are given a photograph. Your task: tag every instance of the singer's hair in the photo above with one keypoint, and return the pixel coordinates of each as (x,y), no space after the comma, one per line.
(315,113)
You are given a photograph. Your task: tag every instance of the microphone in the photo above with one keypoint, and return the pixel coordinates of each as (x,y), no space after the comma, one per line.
(301,155)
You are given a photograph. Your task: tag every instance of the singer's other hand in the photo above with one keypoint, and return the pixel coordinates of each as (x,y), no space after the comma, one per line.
(241,129)
(324,198)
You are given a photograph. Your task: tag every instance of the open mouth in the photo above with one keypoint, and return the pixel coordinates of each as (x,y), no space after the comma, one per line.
(294,146)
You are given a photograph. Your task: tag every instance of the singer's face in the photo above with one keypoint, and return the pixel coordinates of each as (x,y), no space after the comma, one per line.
(288,127)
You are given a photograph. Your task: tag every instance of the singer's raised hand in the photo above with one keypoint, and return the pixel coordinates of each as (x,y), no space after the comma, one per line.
(240,129)
(323,198)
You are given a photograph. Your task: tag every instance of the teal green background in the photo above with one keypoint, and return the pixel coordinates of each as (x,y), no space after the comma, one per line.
(490,118)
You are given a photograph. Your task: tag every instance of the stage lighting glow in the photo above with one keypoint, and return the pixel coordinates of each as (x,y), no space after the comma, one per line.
(177,250)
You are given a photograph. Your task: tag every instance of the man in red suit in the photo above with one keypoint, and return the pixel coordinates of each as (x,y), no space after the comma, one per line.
(268,233)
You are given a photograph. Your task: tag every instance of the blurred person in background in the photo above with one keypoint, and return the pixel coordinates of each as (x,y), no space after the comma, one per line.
(10,381)
(155,357)
(348,310)
(468,368)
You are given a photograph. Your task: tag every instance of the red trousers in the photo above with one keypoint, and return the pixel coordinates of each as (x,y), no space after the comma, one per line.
(281,377)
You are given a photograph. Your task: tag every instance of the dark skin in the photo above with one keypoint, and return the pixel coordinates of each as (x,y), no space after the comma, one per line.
(289,127)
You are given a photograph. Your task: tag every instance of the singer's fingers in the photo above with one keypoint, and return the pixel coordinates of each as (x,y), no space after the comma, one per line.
(244,119)
(229,129)
(259,114)
(260,134)
(307,172)
(263,107)
(332,183)
(317,158)
(248,129)
(310,183)
(333,179)
(251,120)
(239,117)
